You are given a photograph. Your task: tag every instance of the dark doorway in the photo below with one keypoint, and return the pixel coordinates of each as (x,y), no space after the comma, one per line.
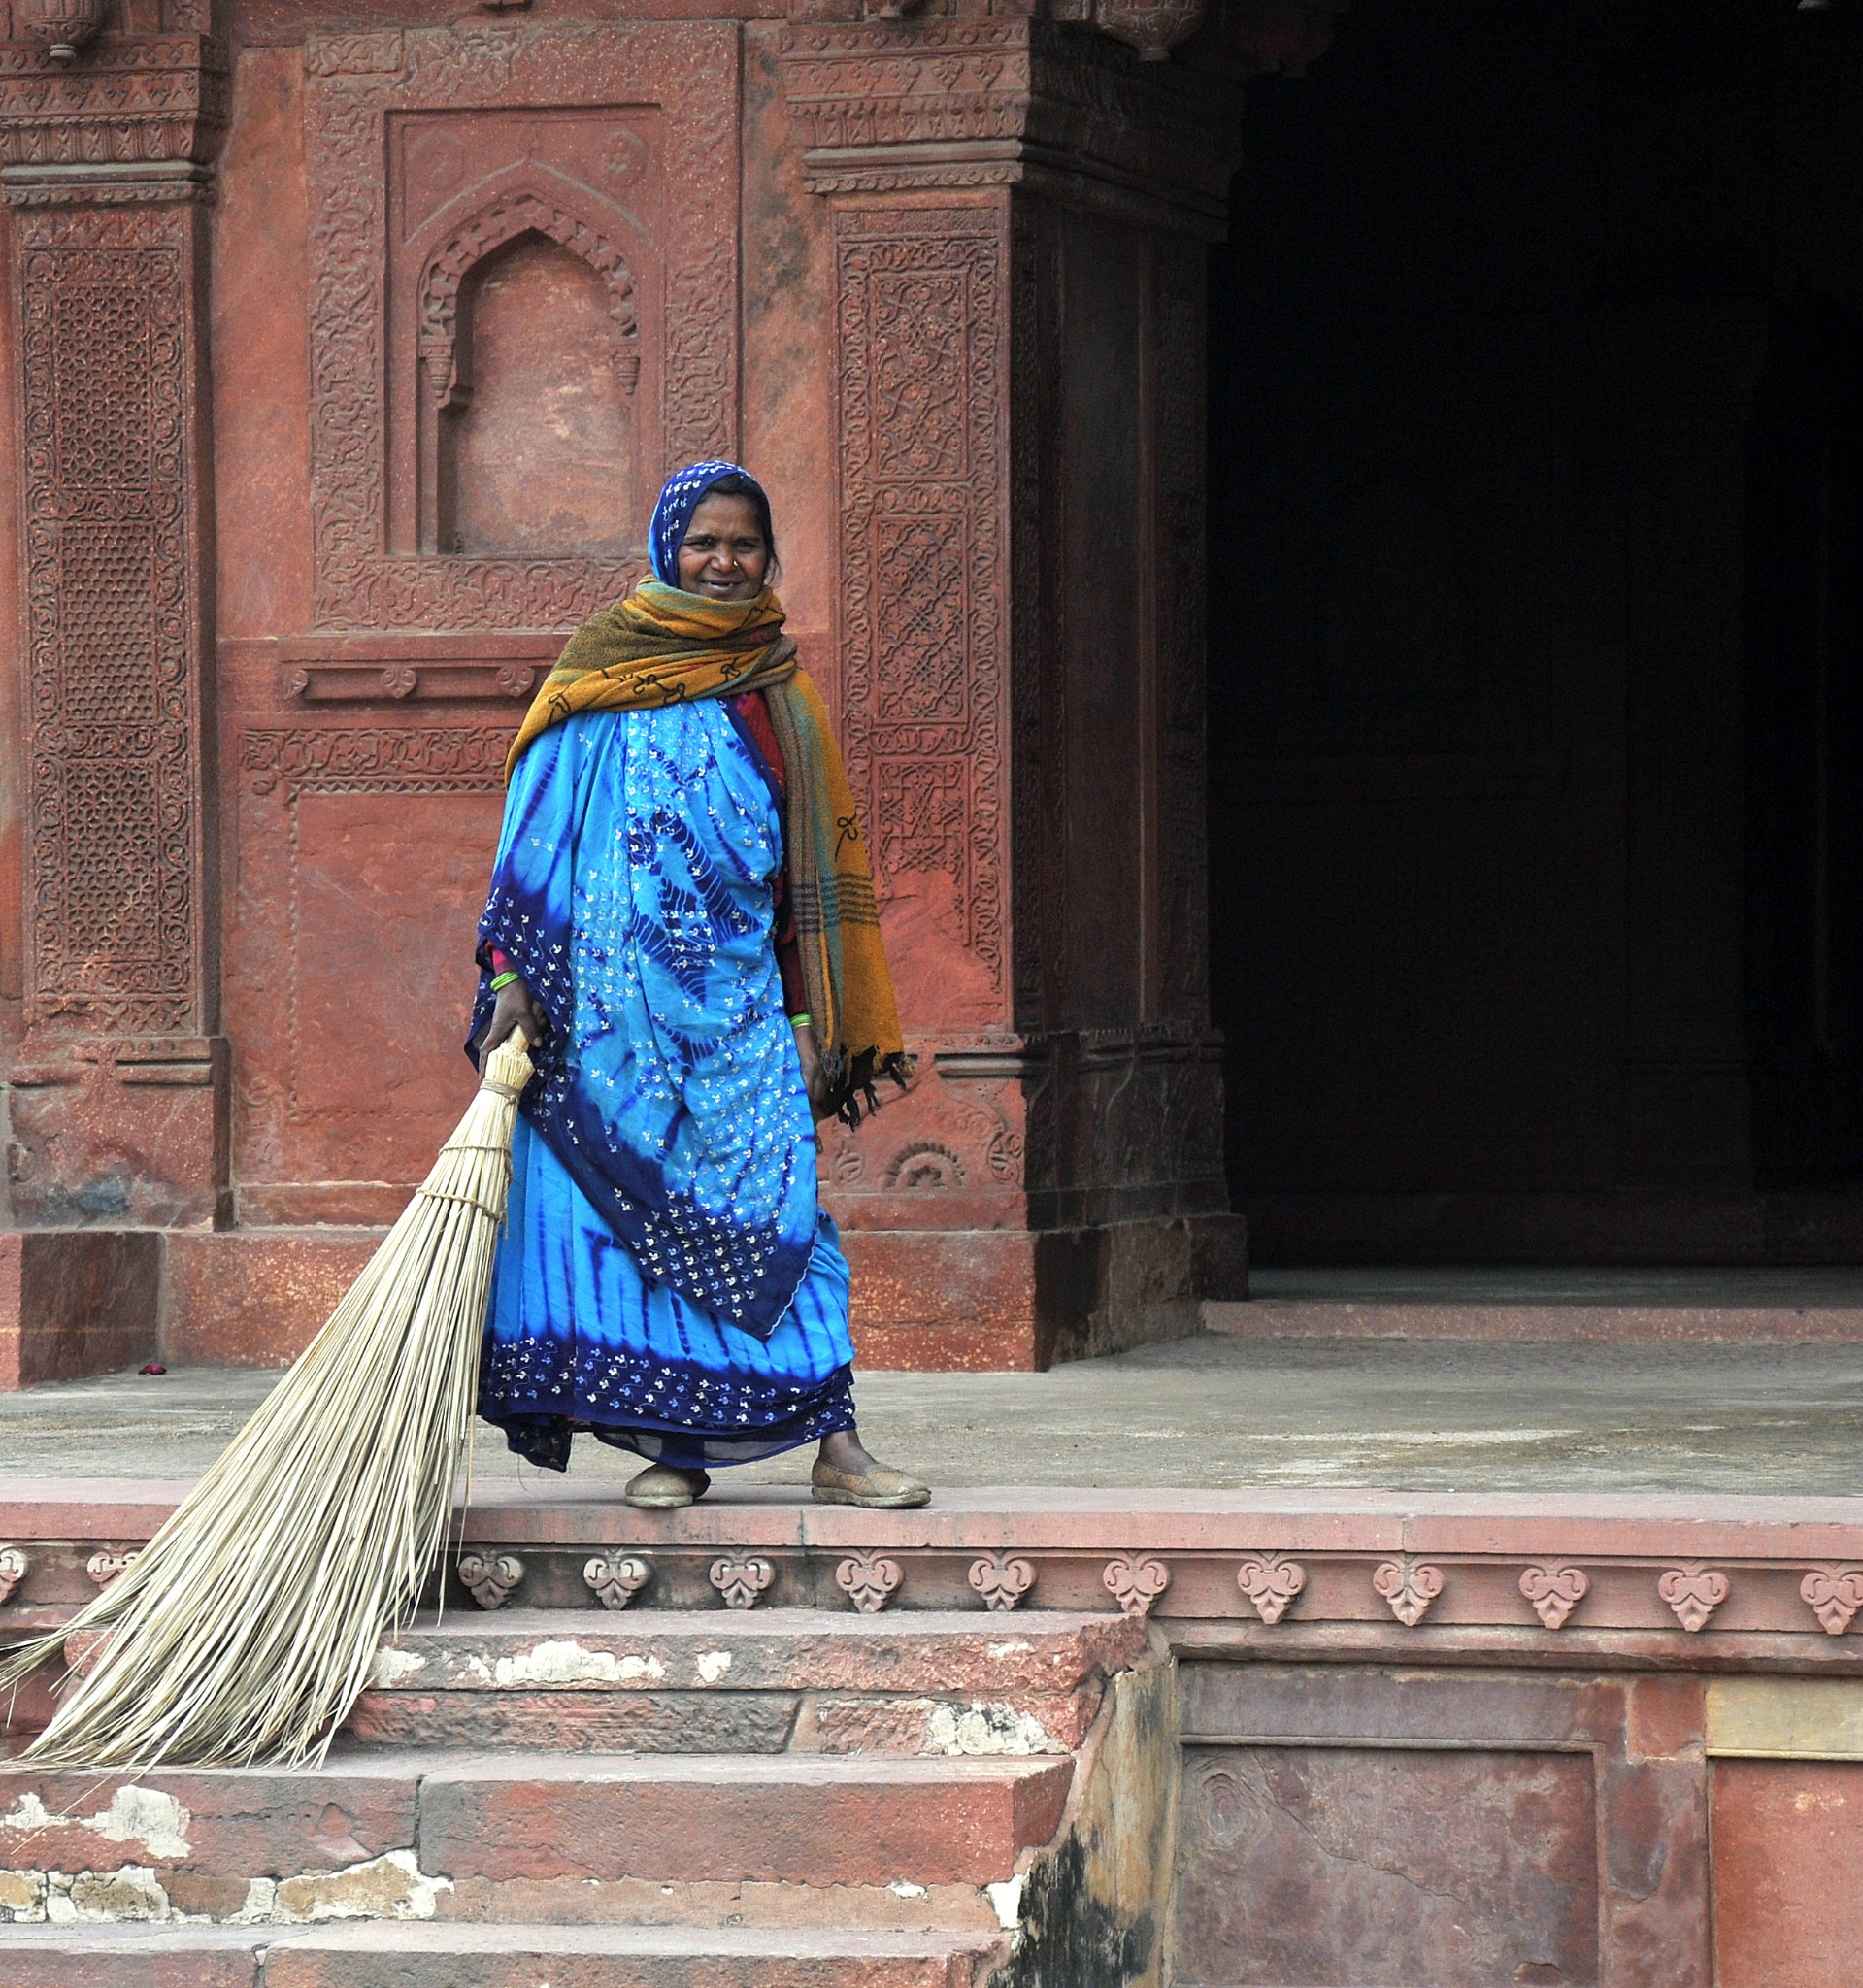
(1804,751)
(1536,656)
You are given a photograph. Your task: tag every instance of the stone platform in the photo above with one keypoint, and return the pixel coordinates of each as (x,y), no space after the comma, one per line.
(1223,1410)
(1036,1737)
(1367,1658)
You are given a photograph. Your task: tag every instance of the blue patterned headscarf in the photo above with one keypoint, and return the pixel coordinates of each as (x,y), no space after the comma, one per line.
(683,495)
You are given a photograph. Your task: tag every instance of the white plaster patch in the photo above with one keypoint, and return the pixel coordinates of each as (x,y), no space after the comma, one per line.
(1007,1898)
(390,1887)
(999,1650)
(903,1888)
(711,1665)
(987,1729)
(261,1901)
(394,1666)
(30,1815)
(22,1897)
(135,1815)
(130,1894)
(569,1663)
(146,1816)
(477,1670)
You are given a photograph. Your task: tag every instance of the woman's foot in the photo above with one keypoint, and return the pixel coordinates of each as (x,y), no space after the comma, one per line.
(845,1474)
(662,1488)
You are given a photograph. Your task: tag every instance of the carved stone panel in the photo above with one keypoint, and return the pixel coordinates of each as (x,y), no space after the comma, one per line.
(368,846)
(113,727)
(432,155)
(923,333)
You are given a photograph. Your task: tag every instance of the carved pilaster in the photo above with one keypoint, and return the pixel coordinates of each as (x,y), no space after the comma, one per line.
(106,166)
(901,105)
(1019,209)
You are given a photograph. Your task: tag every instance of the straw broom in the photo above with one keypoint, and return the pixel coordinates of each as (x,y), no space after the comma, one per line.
(247,1626)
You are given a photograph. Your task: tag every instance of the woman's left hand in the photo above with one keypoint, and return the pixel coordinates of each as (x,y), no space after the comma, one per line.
(814,1079)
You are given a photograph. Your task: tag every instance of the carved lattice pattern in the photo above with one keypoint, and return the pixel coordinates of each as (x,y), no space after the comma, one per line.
(112,754)
(922,336)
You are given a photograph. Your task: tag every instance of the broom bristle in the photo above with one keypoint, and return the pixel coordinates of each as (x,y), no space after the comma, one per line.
(246,1629)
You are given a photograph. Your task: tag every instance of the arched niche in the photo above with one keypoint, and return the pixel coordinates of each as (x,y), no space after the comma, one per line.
(529,363)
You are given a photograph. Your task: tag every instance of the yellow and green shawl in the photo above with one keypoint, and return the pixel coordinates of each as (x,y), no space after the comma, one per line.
(662,646)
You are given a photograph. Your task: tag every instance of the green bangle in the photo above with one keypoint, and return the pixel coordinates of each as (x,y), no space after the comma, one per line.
(802,1021)
(505,981)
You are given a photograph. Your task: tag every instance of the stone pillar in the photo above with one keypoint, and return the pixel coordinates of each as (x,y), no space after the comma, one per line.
(117,1075)
(1020,214)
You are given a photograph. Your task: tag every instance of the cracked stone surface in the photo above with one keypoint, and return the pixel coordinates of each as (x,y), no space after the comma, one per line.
(1214,1411)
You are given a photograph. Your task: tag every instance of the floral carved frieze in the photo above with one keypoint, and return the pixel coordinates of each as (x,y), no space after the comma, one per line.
(1271,1581)
(135,101)
(1833,1595)
(1554,1591)
(445,759)
(1280,1603)
(1694,1594)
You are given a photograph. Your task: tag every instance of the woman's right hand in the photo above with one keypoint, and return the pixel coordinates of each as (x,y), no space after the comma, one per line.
(514,1008)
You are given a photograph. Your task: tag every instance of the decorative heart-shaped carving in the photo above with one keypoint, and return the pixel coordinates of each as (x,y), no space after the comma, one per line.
(104,1567)
(1410,1586)
(742,1582)
(1834,1595)
(868,1581)
(616,1582)
(490,1577)
(1693,1593)
(1271,1581)
(1136,1581)
(1555,1591)
(1002,1580)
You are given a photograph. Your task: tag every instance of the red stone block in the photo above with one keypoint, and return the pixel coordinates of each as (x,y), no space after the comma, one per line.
(442,1956)
(948,1301)
(1787,1844)
(213,1822)
(1459,1869)
(255,1299)
(579,1721)
(129,1957)
(76,1302)
(801,1819)
(1032,1652)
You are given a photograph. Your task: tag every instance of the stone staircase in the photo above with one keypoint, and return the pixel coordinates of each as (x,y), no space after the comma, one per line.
(783,1798)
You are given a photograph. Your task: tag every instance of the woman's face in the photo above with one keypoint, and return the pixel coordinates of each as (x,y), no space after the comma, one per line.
(726,554)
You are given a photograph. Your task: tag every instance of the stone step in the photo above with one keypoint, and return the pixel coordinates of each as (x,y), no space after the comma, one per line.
(375,1955)
(394,1834)
(792,1818)
(662,1682)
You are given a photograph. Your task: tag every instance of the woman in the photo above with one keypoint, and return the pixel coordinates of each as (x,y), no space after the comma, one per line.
(681,921)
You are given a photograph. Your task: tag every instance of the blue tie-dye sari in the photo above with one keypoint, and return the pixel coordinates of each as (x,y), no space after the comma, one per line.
(666,1276)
